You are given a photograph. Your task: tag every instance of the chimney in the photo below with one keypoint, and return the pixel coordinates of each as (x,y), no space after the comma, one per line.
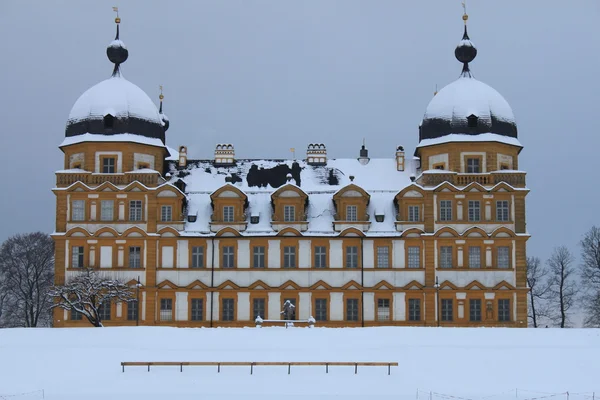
(400,158)
(182,156)
(364,155)
(224,155)
(316,154)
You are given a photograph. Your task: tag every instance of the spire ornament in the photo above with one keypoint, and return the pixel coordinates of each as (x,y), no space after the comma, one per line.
(116,51)
(465,52)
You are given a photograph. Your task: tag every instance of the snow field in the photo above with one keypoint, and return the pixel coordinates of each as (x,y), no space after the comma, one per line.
(469,363)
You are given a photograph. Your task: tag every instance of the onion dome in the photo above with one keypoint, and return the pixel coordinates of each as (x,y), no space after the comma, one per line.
(115,105)
(467,106)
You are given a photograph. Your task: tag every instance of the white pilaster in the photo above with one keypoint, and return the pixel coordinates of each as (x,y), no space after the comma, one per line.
(368,254)
(305,300)
(274,252)
(369,306)
(398,254)
(274,310)
(183,254)
(305,256)
(336,256)
(243,306)
(243,254)
(337,306)
(399,307)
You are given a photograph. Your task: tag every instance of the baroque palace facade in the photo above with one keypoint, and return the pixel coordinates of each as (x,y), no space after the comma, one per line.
(434,239)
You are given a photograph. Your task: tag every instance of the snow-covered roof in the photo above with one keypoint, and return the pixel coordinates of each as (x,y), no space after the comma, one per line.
(121,137)
(482,137)
(116,96)
(379,178)
(467,96)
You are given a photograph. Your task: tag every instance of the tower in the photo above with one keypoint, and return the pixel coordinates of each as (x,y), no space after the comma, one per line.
(112,199)
(468,150)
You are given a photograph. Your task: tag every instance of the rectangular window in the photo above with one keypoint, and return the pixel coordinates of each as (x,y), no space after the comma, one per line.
(446,257)
(320,257)
(166,309)
(475,310)
(446,210)
(447,310)
(132,310)
(228,256)
(104,311)
(503,257)
(351,213)
(78,213)
(473,165)
(289,256)
(474,257)
(106,210)
(321,309)
(135,210)
(414,257)
(228,214)
(383,309)
(383,257)
(351,309)
(228,309)
(414,309)
(258,256)
(351,257)
(289,213)
(502,210)
(108,165)
(197,312)
(503,310)
(258,308)
(166,213)
(474,211)
(135,257)
(77,259)
(197,256)
(76,315)
(413,213)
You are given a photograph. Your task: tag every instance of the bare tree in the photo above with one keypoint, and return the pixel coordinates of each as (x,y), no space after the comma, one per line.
(590,276)
(562,288)
(27,272)
(537,280)
(88,292)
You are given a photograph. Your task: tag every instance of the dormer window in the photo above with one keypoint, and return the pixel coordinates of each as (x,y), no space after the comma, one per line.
(472,121)
(228,214)
(109,121)
(289,213)
(254,218)
(351,213)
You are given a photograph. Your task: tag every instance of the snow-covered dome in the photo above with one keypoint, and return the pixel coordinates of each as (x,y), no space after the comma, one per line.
(467,106)
(115,105)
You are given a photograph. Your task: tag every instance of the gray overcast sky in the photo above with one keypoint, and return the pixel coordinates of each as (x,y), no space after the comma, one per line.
(267,75)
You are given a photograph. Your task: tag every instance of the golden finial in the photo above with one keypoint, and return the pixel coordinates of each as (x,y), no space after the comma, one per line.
(465,16)
(117,20)
(161,97)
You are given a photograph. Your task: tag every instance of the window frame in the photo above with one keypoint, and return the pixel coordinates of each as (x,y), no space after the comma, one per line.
(108,210)
(166,309)
(260,256)
(133,210)
(355,317)
(446,314)
(289,213)
(475,313)
(351,213)
(471,257)
(231,317)
(228,213)
(80,257)
(503,213)
(254,307)
(504,314)
(382,256)
(134,253)
(290,257)
(351,260)
(197,257)
(75,210)
(444,250)
(414,309)
(508,257)
(319,311)
(478,165)
(413,213)
(410,258)
(105,164)
(321,256)
(446,211)
(194,311)
(378,309)
(133,312)
(474,210)
(230,264)
(166,213)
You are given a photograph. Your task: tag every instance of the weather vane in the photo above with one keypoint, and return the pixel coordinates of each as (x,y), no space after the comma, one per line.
(161,93)
(465,15)
(116,9)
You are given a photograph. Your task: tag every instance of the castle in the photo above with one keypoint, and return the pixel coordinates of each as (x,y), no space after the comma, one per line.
(434,239)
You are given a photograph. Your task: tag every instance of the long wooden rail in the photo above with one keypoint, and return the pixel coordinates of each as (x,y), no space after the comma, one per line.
(326,364)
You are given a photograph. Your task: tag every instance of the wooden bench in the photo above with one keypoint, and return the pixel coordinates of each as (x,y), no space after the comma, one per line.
(252,364)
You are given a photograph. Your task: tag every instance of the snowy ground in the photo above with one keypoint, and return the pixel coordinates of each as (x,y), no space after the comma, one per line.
(498,364)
